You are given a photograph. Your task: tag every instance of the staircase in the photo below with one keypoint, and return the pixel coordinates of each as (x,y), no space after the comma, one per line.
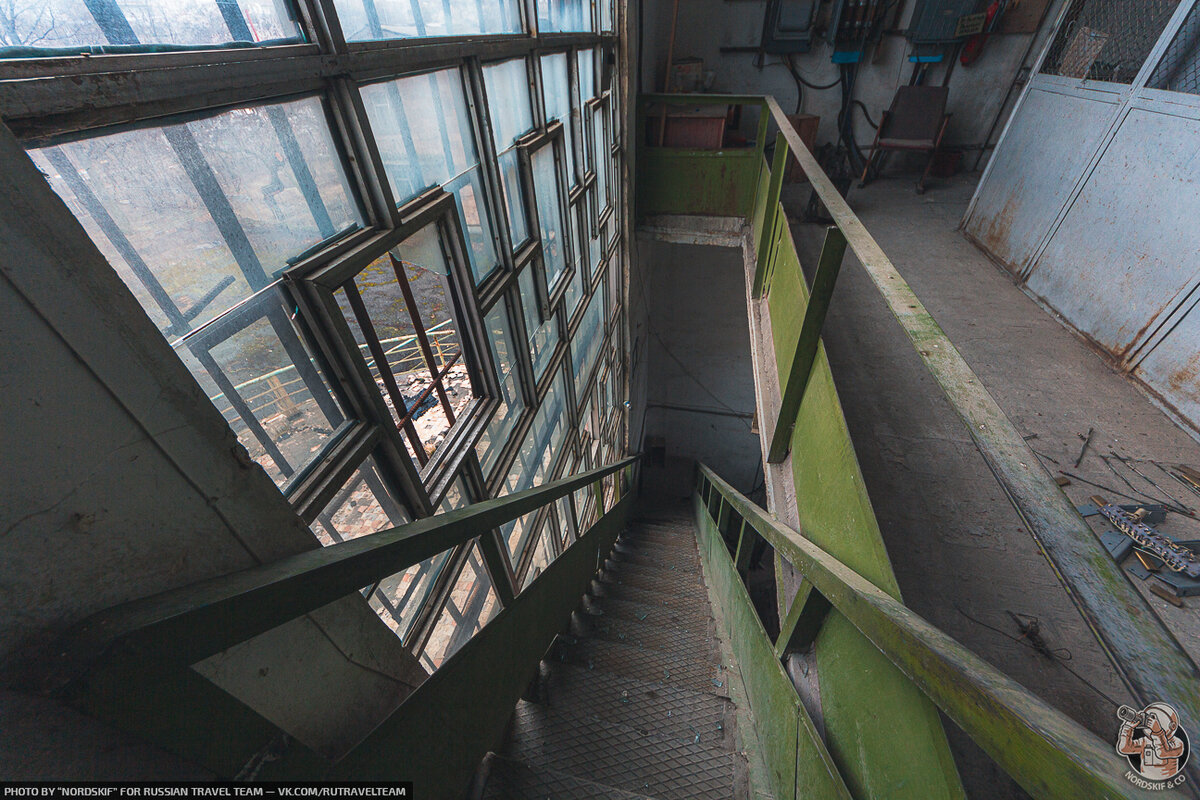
(632,701)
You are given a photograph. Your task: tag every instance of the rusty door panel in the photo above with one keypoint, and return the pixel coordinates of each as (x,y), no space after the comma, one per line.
(1172,369)
(1126,254)
(1035,167)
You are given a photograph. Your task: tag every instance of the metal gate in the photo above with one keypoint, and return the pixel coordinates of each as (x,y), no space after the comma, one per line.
(1090,199)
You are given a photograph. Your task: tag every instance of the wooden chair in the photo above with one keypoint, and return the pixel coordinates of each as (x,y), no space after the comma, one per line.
(915,122)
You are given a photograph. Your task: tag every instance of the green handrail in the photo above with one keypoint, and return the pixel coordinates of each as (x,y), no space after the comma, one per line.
(1047,753)
(182,626)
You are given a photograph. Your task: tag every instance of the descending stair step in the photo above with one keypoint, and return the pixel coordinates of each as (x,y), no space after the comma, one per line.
(648,708)
(683,539)
(510,779)
(687,588)
(652,666)
(619,756)
(655,613)
(689,618)
(688,642)
(666,573)
(656,557)
(694,604)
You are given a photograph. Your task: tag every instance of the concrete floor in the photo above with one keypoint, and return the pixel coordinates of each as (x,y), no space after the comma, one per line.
(962,556)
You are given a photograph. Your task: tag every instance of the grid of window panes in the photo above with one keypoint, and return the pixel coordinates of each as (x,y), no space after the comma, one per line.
(402,289)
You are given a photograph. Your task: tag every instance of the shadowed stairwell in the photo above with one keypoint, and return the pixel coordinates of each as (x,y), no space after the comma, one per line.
(633,699)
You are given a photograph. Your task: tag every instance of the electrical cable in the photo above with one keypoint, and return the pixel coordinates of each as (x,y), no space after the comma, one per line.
(1025,640)
(867,114)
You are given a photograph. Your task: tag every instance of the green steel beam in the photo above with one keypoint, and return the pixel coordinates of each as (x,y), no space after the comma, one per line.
(803,620)
(770,215)
(819,297)
(177,628)
(1046,752)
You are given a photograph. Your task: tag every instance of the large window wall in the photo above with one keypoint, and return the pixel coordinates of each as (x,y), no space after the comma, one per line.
(392,261)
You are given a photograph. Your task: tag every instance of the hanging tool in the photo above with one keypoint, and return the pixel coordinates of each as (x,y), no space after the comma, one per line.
(1175,557)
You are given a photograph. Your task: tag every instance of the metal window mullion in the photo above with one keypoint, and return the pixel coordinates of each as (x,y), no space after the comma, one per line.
(367,326)
(365,162)
(321,23)
(414,314)
(335,340)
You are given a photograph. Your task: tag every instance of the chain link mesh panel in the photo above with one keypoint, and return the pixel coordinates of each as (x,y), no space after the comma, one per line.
(1179,69)
(1107,40)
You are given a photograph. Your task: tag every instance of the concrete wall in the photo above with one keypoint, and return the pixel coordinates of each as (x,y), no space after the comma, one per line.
(700,395)
(121,480)
(704,26)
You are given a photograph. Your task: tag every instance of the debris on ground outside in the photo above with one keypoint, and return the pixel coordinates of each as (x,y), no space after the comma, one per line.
(1087,442)
(1161,591)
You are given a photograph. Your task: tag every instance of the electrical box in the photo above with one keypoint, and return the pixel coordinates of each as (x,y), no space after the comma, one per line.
(788,26)
(938,21)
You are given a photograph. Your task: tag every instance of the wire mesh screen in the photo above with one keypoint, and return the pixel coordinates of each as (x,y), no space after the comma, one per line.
(1179,68)
(1107,40)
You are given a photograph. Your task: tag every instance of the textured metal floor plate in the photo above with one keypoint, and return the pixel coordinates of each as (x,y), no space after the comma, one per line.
(635,594)
(508,779)
(657,558)
(648,708)
(652,666)
(693,642)
(618,756)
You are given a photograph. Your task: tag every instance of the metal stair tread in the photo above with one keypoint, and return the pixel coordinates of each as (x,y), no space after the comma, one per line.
(687,618)
(629,592)
(656,559)
(648,708)
(619,756)
(510,778)
(647,665)
(692,641)
(660,584)
(669,572)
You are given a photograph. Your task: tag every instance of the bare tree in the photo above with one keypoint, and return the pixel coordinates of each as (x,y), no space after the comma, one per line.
(24,23)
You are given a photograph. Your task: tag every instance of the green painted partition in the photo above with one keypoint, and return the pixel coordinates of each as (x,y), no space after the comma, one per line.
(882,732)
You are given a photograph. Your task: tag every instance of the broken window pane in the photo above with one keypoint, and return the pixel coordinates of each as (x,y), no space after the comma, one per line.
(364,20)
(507,87)
(400,310)
(254,367)
(197,216)
(471,604)
(496,435)
(550,218)
(425,139)
(76,26)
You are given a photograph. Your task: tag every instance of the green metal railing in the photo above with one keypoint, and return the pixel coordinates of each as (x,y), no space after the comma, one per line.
(1046,752)
(833,508)
(130,665)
